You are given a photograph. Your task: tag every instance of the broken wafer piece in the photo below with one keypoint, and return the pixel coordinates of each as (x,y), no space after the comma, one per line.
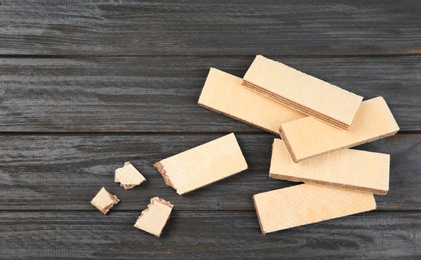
(203,165)
(128,176)
(104,201)
(225,94)
(308,137)
(302,92)
(308,203)
(358,170)
(154,218)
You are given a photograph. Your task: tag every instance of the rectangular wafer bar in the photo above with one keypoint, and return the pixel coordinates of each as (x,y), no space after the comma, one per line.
(302,92)
(358,170)
(308,137)
(225,94)
(308,203)
(203,165)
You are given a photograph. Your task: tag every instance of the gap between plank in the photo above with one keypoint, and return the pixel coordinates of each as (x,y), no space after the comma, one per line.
(130,133)
(408,132)
(195,211)
(285,56)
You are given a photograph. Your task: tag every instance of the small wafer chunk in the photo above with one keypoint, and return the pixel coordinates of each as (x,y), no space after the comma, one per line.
(224,93)
(104,201)
(308,203)
(154,218)
(203,165)
(128,176)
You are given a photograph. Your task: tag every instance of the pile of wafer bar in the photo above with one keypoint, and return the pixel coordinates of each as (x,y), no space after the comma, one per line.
(317,122)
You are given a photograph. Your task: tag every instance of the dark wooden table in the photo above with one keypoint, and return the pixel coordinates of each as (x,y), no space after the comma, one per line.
(87,85)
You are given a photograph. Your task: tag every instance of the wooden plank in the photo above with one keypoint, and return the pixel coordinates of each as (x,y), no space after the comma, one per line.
(307,204)
(194,234)
(154,218)
(225,94)
(129,27)
(127,93)
(354,169)
(104,201)
(308,137)
(35,170)
(203,165)
(128,176)
(302,92)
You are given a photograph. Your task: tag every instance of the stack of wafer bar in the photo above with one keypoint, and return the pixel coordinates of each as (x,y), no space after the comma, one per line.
(317,122)
(225,94)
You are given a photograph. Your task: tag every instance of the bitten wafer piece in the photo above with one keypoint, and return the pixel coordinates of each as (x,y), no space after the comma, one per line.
(308,137)
(359,170)
(308,203)
(225,94)
(104,201)
(303,92)
(203,165)
(154,218)
(128,176)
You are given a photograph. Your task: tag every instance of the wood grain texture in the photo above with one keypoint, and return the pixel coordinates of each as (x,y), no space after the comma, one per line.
(128,27)
(348,168)
(112,81)
(302,92)
(203,165)
(45,172)
(206,235)
(307,204)
(309,137)
(224,93)
(135,94)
